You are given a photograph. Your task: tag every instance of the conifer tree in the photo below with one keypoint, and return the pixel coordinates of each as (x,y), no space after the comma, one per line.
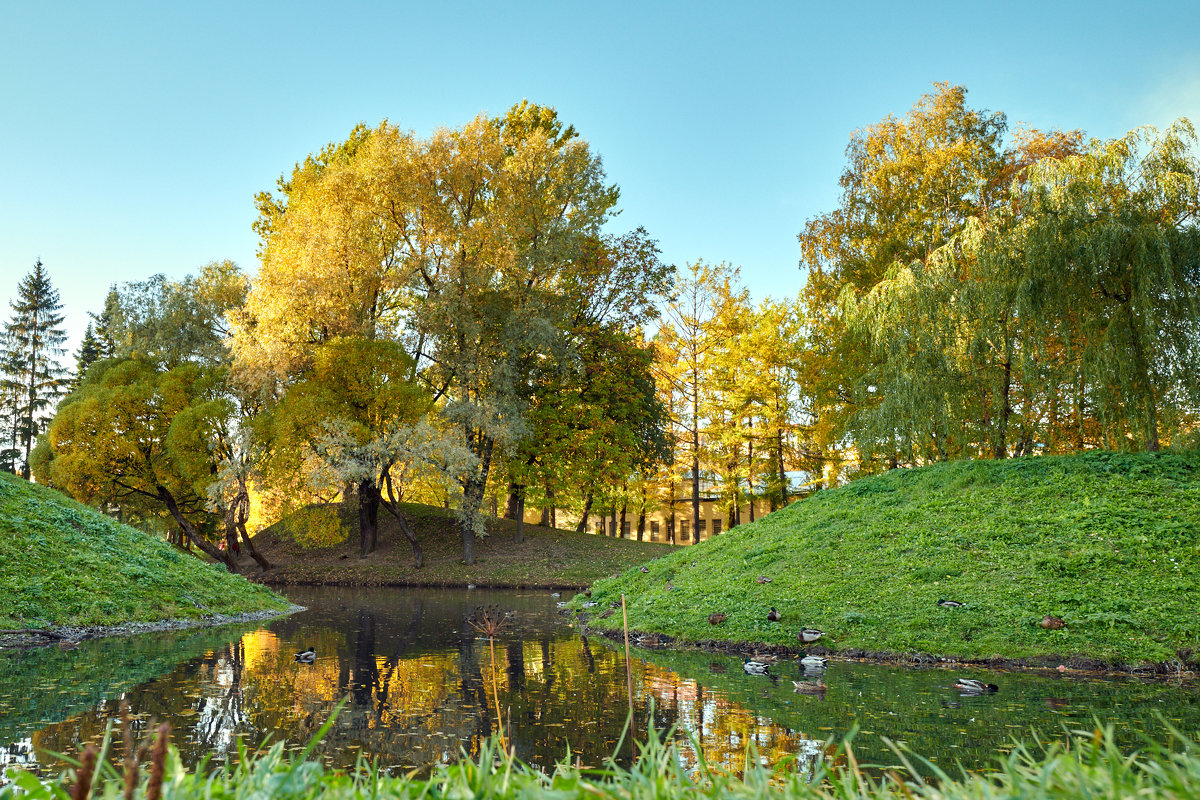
(88,354)
(35,344)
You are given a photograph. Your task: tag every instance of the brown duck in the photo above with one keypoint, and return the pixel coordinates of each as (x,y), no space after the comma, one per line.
(717,618)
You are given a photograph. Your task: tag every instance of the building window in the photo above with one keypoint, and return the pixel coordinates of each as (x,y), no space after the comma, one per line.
(702,527)
(653,529)
(683,531)
(716,526)
(625,529)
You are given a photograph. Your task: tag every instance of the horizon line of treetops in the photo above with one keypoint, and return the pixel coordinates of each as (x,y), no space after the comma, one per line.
(444,320)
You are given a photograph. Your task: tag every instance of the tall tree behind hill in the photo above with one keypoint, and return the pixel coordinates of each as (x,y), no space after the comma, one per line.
(35,344)
(684,345)
(87,354)
(909,185)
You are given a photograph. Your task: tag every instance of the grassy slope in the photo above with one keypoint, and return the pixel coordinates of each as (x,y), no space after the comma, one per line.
(546,558)
(63,563)
(1108,542)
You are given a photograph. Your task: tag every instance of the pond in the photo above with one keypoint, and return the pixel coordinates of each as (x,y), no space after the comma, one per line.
(418,685)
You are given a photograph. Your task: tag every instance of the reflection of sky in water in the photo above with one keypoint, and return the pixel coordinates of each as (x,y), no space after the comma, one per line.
(418,684)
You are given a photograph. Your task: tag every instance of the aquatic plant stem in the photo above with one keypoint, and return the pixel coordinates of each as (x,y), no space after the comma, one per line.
(496,695)
(628,669)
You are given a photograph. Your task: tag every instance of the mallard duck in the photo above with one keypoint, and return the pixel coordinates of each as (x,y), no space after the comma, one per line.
(556,594)
(650,640)
(972,686)
(717,618)
(813,662)
(307,656)
(590,603)
(763,579)
(810,687)
(764,658)
(752,667)
(807,635)
(607,614)
(642,569)
(944,603)
(773,615)
(1053,623)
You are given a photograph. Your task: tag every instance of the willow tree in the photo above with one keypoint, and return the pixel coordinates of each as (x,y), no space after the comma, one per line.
(458,246)
(909,185)
(1113,236)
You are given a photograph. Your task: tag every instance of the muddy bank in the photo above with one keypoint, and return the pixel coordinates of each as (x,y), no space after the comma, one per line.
(67,636)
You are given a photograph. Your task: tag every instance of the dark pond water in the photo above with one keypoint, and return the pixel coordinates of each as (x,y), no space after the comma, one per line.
(419,681)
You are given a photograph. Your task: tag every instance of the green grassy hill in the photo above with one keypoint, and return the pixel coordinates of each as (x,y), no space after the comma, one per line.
(547,558)
(1108,542)
(62,563)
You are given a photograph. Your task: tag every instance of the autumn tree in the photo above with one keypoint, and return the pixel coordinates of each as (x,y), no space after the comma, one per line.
(909,185)
(685,342)
(462,247)
(131,431)
(356,412)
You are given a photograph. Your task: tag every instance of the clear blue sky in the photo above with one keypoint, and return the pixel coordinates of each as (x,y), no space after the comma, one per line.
(134,135)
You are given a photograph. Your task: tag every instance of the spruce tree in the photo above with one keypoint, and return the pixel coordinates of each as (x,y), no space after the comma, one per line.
(34,346)
(10,396)
(88,354)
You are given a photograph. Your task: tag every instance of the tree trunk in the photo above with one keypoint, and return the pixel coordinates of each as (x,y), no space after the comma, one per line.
(193,536)
(750,467)
(587,509)
(642,516)
(241,506)
(418,556)
(510,508)
(1000,443)
(612,528)
(368,517)
(473,488)
(519,535)
(696,489)
(783,481)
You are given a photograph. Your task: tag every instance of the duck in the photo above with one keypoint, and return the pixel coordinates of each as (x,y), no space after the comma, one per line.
(813,662)
(763,579)
(944,603)
(1053,623)
(717,618)
(643,569)
(972,686)
(807,635)
(752,667)
(764,658)
(590,603)
(607,614)
(810,687)
(773,615)
(306,656)
(650,640)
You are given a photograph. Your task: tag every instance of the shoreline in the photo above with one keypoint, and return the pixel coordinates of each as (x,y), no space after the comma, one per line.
(71,635)
(1047,663)
(408,584)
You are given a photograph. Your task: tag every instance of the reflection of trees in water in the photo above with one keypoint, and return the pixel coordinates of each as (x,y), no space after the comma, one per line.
(418,684)
(18,754)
